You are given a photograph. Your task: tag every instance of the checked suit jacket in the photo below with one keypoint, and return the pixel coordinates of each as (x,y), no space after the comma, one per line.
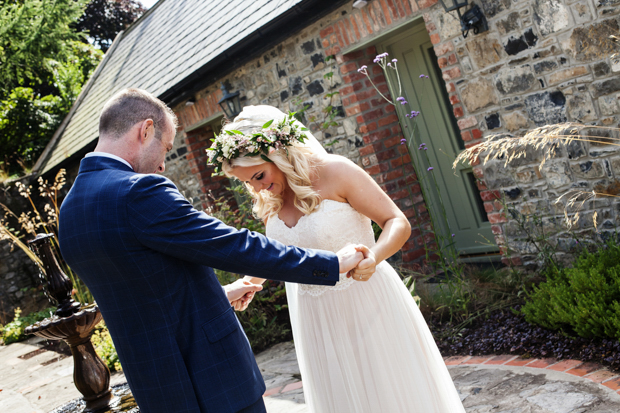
(146,255)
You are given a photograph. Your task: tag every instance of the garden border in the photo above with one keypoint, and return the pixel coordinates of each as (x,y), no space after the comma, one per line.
(595,372)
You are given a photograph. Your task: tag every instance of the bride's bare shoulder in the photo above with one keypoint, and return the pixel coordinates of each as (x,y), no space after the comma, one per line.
(334,166)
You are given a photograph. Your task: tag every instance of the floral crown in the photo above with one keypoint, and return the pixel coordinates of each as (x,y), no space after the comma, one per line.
(231,144)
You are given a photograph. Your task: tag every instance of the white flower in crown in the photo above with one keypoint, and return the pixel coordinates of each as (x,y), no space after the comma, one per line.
(231,144)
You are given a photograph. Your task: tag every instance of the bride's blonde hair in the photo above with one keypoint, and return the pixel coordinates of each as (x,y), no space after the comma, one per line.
(297,162)
(297,166)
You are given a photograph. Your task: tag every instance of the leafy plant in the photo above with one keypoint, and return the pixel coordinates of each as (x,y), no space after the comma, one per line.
(14,331)
(103,19)
(104,346)
(32,32)
(27,122)
(330,111)
(582,300)
(460,299)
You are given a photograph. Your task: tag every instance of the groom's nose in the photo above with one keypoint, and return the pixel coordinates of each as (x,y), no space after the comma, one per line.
(161,168)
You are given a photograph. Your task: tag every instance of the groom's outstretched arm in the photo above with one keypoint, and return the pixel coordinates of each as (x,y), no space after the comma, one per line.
(163,220)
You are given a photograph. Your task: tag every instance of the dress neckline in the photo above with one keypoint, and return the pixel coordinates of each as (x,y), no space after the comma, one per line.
(307,215)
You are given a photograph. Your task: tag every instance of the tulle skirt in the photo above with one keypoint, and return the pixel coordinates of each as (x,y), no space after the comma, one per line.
(367,349)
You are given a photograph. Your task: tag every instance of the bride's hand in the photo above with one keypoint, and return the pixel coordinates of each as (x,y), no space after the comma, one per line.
(366,268)
(242,303)
(242,291)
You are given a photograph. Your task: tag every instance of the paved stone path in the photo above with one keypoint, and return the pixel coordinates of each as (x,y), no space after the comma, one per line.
(35,380)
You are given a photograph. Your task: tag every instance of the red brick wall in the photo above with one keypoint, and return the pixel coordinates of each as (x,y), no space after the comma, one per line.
(382,154)
(198,140)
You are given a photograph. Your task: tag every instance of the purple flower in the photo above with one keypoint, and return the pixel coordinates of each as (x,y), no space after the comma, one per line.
(403,141)
(389,64)
(430,169)
(362,69)
(452,235)
(423,77)
(380,56)
(400,98)
(394,60)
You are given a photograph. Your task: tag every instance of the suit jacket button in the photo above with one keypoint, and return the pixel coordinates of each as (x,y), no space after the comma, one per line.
(316,273)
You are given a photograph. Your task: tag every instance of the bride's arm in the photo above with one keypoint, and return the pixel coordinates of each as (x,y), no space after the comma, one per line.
(346,180)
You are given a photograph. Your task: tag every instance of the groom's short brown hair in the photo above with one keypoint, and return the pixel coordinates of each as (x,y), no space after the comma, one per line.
(130,106)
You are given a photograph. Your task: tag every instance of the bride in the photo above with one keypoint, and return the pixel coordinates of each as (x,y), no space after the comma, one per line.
(361,347)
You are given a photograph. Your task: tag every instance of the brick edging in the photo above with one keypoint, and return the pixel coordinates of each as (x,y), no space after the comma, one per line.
(595,372)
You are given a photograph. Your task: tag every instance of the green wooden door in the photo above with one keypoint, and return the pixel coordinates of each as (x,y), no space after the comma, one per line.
(436,127)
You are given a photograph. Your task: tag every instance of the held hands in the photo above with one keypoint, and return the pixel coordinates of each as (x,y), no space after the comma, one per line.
(240,293)
(366,268)
(357,261)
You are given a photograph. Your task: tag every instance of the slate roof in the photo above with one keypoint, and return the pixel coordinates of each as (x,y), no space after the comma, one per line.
(166,45)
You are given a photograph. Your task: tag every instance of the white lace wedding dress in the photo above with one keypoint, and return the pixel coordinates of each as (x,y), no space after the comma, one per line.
(363,347)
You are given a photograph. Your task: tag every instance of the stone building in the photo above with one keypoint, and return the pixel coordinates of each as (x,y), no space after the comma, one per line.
(540,62)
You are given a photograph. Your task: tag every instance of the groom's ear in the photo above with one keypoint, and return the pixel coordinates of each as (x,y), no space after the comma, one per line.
(147,130)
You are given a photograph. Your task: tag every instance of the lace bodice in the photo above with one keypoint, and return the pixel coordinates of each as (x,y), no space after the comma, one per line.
(333,226)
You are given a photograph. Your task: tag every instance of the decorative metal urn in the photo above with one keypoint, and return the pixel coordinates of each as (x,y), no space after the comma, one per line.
(74,324)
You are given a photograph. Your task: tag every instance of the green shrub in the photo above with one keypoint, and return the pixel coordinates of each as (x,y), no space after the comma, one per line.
(582,300)
(102,342)
(14,331)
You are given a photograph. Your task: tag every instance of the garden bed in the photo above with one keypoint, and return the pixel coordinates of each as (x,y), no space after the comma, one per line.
(505,332)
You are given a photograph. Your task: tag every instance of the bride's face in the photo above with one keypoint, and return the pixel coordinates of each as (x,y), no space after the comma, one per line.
(265,176)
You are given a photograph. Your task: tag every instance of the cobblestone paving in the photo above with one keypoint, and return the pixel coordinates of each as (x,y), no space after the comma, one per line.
(35,380)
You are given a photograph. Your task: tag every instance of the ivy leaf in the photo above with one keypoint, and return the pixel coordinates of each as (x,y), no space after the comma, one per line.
(268,124)
(265,158)
(304,129)
(235,132)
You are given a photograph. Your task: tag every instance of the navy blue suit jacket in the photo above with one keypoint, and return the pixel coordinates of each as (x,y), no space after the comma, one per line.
(145,253)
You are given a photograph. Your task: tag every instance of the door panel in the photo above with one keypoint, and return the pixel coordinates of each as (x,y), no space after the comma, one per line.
(461,213)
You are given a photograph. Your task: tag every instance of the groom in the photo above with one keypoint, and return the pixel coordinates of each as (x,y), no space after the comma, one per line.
(145,253)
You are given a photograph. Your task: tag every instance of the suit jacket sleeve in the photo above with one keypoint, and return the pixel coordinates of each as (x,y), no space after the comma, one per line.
(163,220)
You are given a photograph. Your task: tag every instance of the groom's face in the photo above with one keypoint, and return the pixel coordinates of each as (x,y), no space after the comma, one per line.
(153,157)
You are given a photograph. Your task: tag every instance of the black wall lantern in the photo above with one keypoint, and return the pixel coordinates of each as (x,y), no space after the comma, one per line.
(473,19)
(230,103)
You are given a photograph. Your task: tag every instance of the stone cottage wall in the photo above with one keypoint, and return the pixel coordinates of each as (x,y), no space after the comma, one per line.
(295,75)
(541,62)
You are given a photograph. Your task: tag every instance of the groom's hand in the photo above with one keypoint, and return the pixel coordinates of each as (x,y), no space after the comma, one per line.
(240,293)
(349,257)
